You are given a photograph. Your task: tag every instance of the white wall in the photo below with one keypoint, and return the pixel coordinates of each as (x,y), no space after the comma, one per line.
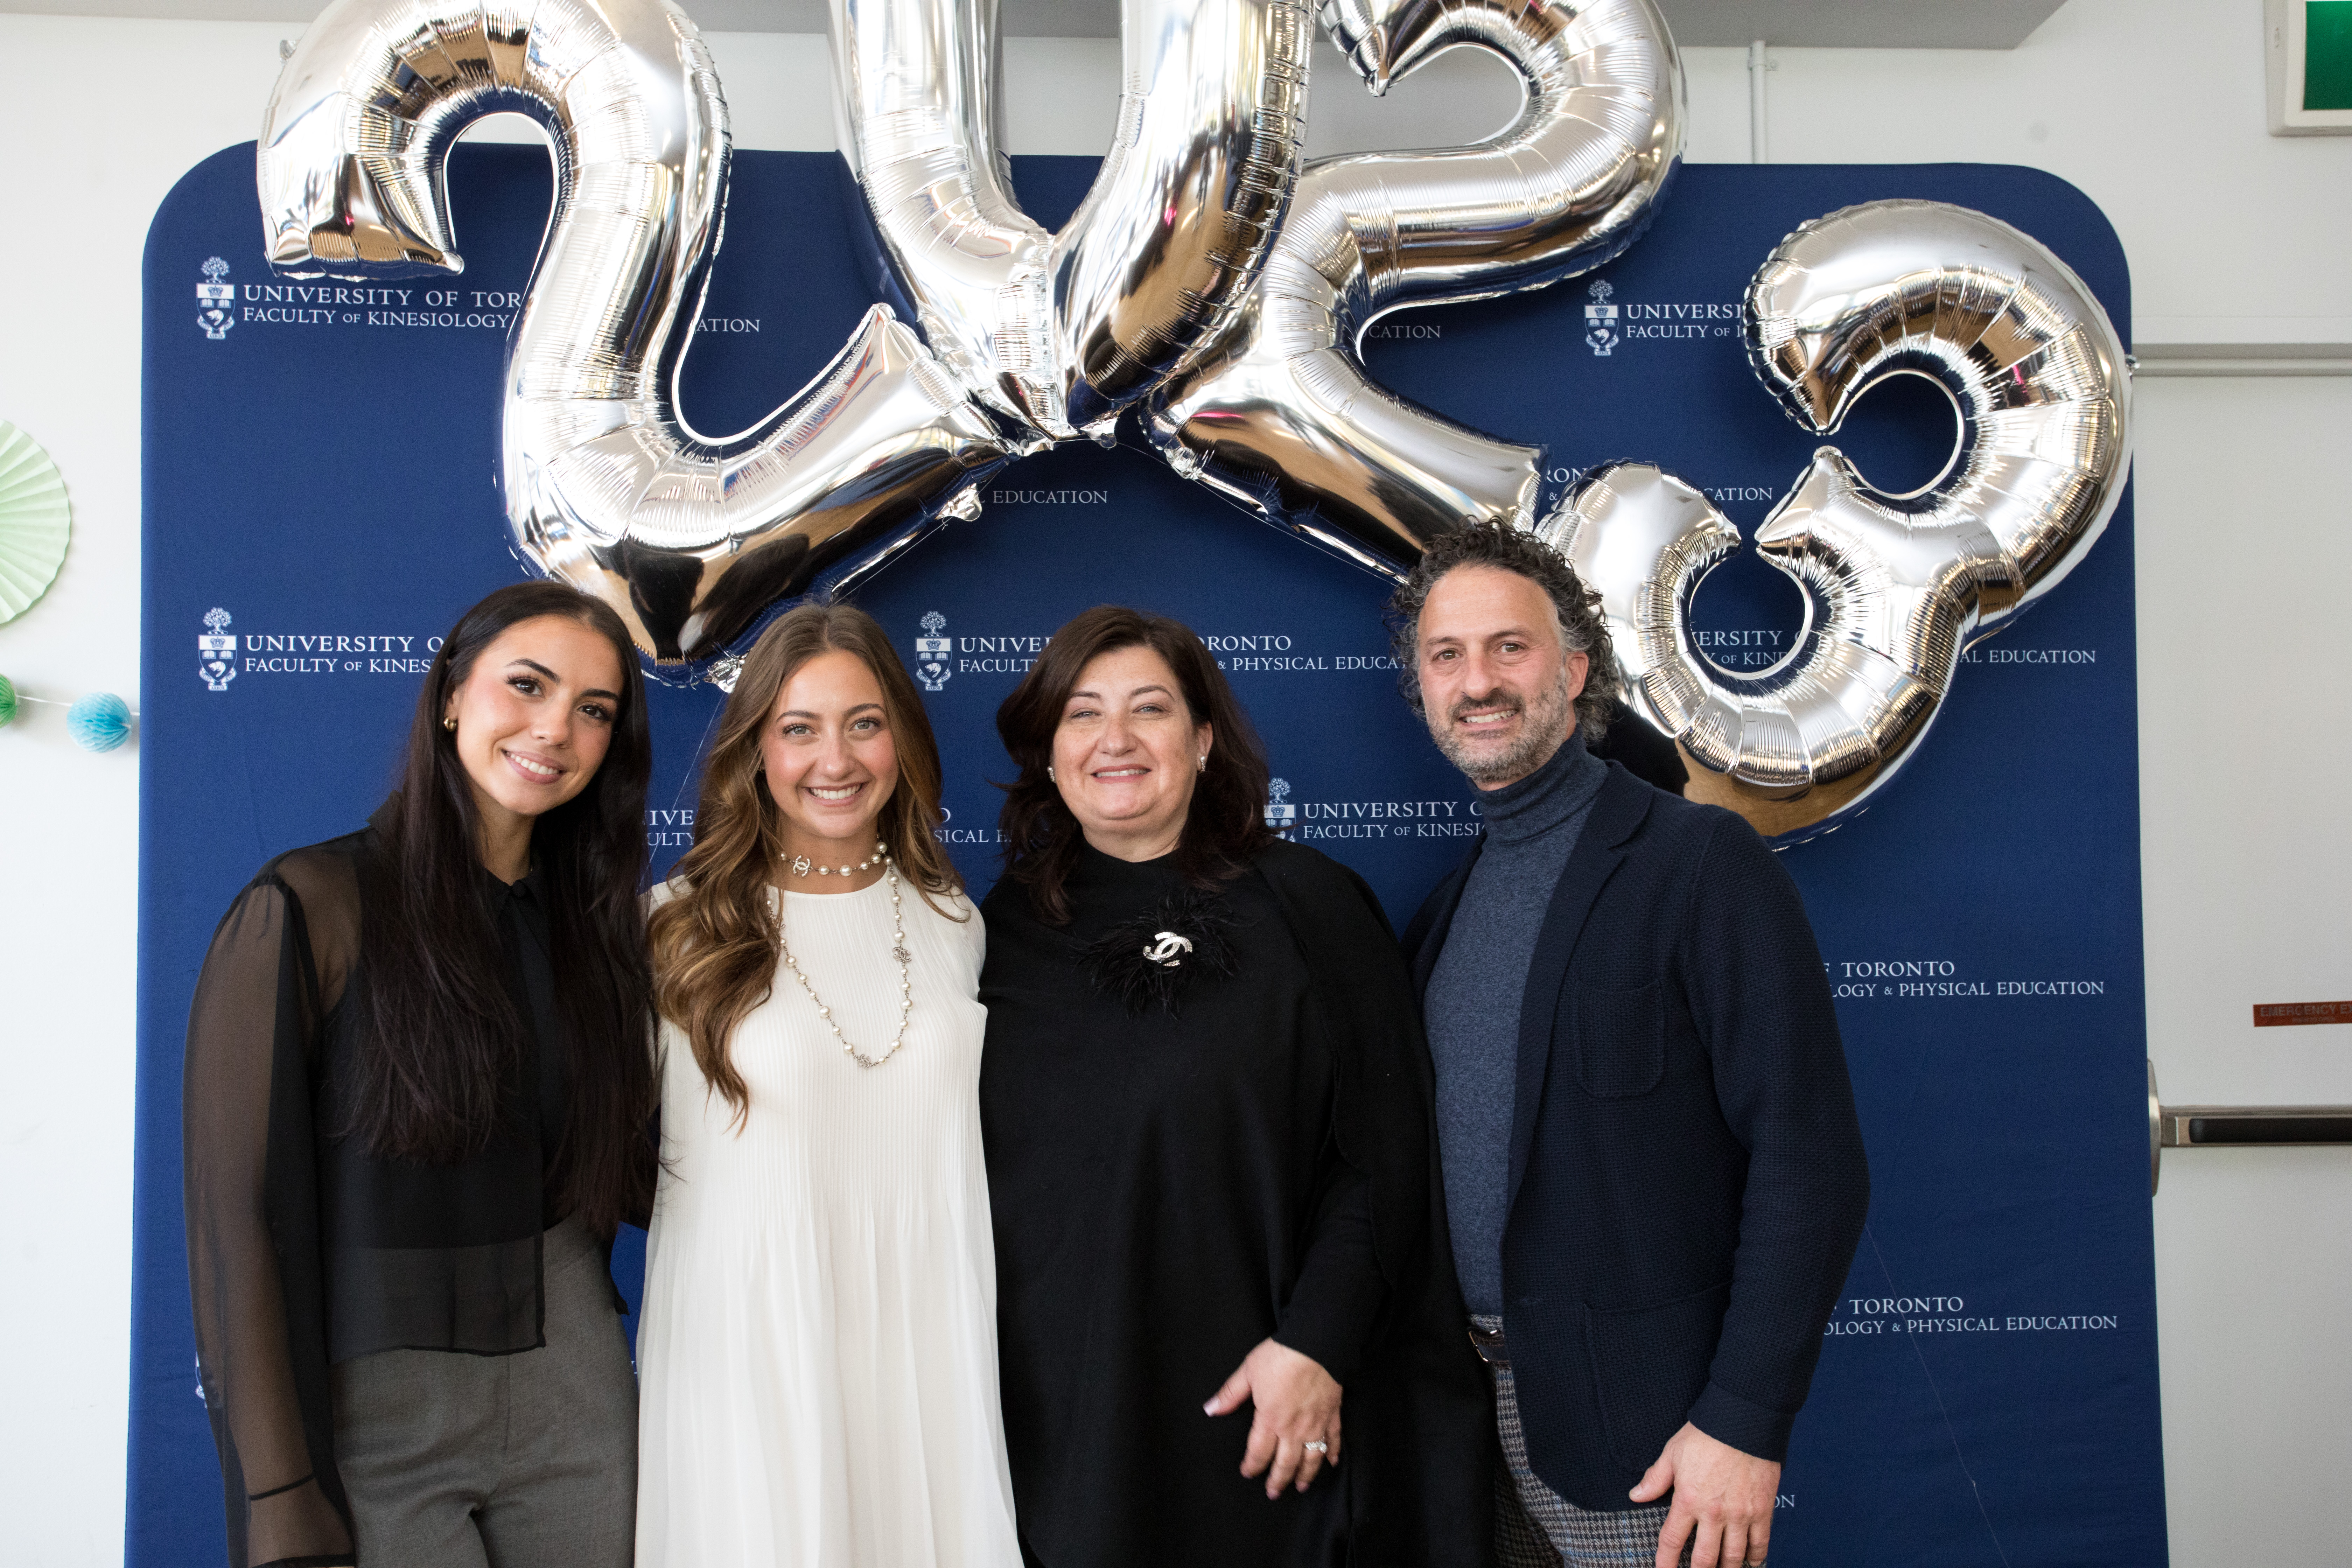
(2245,541)
(2153,107)
(100,118)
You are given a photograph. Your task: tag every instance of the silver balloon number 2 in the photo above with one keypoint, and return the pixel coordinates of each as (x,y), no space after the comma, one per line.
(1023,336)
(1281,414)
(1214,287)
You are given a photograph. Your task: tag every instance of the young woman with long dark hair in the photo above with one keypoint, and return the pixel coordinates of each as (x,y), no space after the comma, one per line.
(417,1101)
(819,1342)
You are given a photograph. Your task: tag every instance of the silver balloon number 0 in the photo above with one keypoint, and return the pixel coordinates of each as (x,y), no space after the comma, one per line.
(1212,284)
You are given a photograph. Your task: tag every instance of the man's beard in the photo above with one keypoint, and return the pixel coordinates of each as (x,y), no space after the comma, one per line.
(1547,723)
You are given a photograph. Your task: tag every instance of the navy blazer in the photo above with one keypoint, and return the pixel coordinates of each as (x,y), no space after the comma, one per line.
(1687,1181)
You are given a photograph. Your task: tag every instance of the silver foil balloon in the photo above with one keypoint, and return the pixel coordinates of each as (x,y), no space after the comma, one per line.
(607,486)
(1062,331)
(1281,414)
(1023,337)
(1894,586)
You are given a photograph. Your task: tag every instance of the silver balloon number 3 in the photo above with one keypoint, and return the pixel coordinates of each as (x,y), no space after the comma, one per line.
(1212,284)
(1894,586)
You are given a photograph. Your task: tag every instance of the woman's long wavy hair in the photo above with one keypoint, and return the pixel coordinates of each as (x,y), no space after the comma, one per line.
(437,1060)
(1225,826)
(714,944)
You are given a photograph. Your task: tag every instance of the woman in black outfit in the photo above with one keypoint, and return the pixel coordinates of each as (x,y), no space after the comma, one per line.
(416,1103)
(1205,1102)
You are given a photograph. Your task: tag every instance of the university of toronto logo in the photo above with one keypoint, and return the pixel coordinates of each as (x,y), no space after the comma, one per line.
(216,305)
(1601,320)
(1282,819)
(932,652)
(216,651)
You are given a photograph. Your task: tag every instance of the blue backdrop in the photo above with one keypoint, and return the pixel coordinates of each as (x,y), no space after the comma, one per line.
(319,464)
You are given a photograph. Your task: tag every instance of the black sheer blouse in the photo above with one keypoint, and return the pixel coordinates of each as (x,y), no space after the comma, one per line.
(303,1249)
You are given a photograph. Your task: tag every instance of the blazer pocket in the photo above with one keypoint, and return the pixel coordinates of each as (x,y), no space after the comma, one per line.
(1621,1038)
(1649,1367)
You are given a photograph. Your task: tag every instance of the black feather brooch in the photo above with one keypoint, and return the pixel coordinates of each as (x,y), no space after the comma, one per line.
(1153,957)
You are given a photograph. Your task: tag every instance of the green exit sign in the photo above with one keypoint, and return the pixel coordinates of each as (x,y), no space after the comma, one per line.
(2327,54)
(2310,60)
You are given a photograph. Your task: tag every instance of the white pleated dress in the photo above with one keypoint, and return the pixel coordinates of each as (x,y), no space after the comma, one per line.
(817,1358)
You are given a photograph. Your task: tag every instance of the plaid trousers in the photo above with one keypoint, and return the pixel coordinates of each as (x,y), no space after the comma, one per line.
(1535,1527)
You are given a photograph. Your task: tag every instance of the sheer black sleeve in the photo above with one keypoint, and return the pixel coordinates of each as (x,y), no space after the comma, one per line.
(251,1188)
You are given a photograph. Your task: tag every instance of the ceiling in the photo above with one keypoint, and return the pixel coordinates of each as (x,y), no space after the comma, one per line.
(1833,24)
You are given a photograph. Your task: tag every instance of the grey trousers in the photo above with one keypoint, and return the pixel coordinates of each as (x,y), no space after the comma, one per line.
(1535,1527)
(513,1461)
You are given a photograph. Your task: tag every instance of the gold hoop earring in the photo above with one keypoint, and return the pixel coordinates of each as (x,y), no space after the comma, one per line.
(449,722)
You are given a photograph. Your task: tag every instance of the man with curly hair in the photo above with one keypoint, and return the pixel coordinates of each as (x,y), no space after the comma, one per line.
(1655,1178)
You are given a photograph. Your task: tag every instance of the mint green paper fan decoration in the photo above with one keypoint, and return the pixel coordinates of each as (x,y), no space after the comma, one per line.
(35,522)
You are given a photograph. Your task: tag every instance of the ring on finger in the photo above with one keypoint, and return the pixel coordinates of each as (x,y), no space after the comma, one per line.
(1317,1446)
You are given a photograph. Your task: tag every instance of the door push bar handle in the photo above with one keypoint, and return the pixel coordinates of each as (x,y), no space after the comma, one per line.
(2238,1127)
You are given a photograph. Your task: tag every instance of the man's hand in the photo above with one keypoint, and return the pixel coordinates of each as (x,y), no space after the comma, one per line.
(1298,1403)
(1722,1494)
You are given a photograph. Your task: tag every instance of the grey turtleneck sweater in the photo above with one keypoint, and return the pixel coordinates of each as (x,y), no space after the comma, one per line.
(1473,999)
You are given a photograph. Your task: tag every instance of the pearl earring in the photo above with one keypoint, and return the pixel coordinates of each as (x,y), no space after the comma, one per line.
(1049,776)
(1203,765)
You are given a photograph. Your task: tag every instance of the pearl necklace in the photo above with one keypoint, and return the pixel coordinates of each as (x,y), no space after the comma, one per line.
(800,864)
(905,983)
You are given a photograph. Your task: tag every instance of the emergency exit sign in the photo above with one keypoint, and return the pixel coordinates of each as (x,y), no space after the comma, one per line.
(2272,1014)
(2310,66)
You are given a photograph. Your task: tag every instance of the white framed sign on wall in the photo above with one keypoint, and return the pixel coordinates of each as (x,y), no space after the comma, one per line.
(2309,55)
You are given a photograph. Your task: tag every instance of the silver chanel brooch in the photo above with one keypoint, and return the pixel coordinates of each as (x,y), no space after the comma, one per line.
(1167,948)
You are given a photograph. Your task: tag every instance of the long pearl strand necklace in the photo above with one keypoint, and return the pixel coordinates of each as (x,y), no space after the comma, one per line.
(898,951)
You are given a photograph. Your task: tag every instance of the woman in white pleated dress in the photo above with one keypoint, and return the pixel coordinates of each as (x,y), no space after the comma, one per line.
(818,1351)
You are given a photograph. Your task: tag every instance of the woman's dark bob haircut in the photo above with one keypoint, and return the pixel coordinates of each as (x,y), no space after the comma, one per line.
(1225,827)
